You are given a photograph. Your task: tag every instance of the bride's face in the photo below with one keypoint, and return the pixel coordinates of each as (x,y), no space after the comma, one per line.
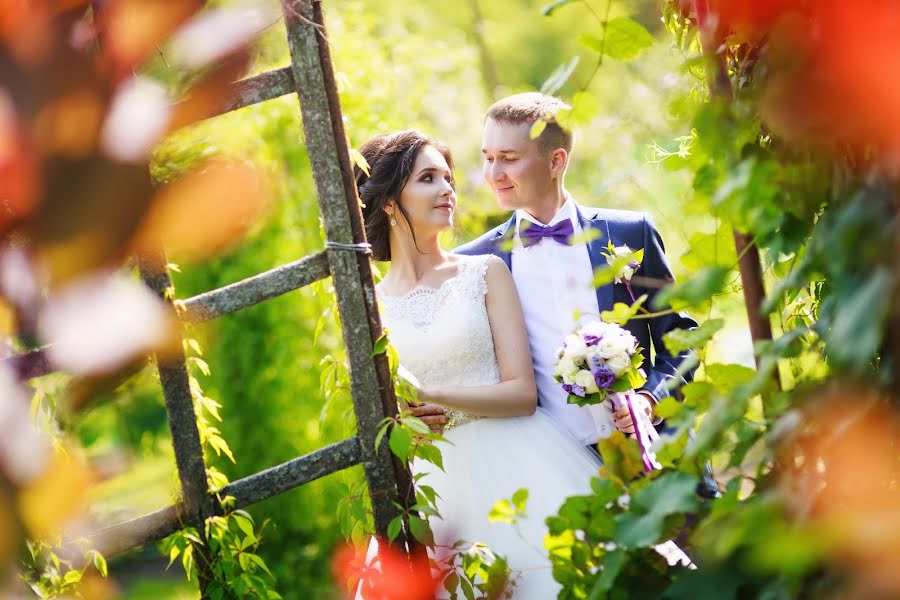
(428,196)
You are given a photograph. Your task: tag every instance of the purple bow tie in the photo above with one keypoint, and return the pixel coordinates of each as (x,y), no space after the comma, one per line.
(533,233)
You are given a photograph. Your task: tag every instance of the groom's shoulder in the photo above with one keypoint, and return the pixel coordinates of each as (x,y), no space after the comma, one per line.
(613,215)
(486,243)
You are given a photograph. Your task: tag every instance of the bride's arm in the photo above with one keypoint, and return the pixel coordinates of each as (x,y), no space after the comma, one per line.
(515,395)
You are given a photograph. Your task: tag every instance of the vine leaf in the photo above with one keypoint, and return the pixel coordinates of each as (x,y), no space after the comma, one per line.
(394,526)
(381,345)
(702,287)
(625,38)
(559,77)
(621,312)
(400,442)
(669,494)
(551,8)
(679,340)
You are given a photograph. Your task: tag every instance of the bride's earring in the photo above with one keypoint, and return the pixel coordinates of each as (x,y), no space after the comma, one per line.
(393,222)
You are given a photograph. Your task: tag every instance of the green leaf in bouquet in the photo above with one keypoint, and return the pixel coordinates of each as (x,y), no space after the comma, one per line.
(635,379)
(637,359)
(621,384)
(679,340)
(595,398)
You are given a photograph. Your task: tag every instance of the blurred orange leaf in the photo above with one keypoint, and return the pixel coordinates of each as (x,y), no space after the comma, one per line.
(206,211)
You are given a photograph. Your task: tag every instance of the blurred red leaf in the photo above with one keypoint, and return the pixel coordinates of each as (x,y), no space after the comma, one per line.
(133,29)
(391,575)
(842,477)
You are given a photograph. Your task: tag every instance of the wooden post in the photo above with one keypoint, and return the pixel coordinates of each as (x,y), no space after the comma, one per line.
(372,392)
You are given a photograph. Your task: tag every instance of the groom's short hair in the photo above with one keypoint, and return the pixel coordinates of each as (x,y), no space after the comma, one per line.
(530,107)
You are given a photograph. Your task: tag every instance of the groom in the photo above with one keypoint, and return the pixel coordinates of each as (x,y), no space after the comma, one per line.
(554,276)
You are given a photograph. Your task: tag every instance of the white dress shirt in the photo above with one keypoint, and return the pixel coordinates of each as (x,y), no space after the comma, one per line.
(555,284)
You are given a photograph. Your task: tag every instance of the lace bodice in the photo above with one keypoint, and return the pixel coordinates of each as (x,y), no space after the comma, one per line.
(442,334)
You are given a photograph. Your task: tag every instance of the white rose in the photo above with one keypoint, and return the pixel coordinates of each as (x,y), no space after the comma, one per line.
(611,345)
(575,347)
(619,363)
(586,380)
(597,328)
(592,352)
(566,369)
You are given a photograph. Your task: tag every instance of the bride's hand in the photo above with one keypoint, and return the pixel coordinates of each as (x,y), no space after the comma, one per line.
(430,414)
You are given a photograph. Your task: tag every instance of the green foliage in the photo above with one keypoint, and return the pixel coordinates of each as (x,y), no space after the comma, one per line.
(49,576)
(623,39)
(649,138)
(229,542)
(679,340)
(824,229)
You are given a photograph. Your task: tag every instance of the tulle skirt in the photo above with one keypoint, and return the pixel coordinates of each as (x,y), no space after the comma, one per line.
(488,460)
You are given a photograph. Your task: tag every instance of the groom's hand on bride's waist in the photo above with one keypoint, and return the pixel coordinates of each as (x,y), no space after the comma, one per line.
(430,414)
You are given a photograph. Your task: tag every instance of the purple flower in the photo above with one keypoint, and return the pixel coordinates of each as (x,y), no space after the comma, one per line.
(603,376)
(573,388)
(634,264)
(592,340)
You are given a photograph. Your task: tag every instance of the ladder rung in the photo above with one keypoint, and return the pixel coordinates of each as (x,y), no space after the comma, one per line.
(256,289)
(283,477)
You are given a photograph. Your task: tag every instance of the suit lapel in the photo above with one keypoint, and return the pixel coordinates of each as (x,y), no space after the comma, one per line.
(605,297)
(501,242)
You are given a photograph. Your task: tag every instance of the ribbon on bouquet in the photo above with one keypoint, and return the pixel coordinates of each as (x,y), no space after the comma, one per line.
(644,432)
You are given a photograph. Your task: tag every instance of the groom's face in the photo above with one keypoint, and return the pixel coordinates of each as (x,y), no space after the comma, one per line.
(514,167)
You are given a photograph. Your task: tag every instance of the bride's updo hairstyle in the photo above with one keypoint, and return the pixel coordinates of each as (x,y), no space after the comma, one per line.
(391,159)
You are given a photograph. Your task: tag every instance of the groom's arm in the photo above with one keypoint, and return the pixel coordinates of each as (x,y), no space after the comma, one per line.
(655,268)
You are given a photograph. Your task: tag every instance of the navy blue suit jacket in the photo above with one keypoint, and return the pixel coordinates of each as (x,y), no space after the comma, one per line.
(623,227)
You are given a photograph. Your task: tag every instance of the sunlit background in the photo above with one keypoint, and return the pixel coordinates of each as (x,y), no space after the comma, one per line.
(233,196)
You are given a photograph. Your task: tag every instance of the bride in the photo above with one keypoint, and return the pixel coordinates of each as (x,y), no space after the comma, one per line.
(457,325)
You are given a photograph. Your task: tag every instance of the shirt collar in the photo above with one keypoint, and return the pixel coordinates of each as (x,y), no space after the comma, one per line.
(567,211)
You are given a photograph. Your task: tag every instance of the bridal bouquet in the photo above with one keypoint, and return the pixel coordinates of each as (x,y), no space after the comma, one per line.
(598,360)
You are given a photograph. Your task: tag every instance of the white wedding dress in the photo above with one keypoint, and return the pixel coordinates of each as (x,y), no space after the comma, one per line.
(443,336)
